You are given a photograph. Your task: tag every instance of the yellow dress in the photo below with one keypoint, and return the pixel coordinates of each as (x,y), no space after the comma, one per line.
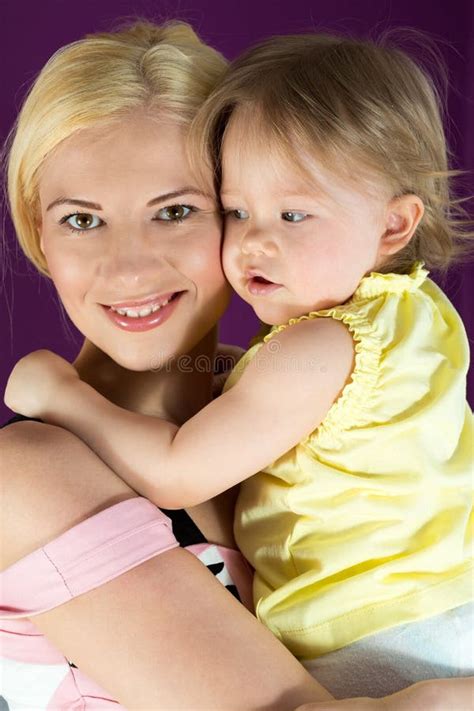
(368,522)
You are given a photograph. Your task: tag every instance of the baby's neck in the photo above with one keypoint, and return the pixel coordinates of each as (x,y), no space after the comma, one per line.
(171,394)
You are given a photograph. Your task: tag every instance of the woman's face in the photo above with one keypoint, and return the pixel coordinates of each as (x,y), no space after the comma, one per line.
(132,241)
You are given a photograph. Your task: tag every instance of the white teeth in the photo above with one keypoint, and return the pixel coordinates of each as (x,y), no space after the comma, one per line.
(140,313)
(145,312)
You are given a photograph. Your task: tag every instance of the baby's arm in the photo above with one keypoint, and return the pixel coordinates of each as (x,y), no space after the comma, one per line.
(281,397)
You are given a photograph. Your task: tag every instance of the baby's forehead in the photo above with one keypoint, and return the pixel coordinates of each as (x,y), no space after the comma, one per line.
(291,169)
(247,140)
(294,165)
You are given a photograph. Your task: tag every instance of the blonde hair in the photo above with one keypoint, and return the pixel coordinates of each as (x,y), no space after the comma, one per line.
(101,79)
(353,104)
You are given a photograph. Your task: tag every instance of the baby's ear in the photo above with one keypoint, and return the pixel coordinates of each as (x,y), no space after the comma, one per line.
(403,216)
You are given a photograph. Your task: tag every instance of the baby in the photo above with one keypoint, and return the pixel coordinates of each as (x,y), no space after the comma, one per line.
(347,421)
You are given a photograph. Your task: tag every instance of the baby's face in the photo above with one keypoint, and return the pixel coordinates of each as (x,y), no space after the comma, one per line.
(292,246)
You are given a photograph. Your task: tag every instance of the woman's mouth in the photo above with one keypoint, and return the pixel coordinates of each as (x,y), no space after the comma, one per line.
(259,286)
(145,316)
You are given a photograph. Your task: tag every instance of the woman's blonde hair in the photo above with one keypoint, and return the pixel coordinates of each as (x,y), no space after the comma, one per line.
(101,79)
(363,108)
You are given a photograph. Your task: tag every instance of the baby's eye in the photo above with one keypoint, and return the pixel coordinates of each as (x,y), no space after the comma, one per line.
(237,214)
(82,221)
(294,216)
(174,213)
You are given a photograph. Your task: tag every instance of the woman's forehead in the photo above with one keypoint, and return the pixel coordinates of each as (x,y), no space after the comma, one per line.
(113,138)
(131,151)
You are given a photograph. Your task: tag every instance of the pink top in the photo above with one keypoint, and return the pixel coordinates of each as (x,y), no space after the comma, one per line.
(35,674)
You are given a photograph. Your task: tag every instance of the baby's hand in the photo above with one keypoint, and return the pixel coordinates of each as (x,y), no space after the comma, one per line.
(35,381)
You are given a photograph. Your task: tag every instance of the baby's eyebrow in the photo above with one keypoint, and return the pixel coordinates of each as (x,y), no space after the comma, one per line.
(306,194)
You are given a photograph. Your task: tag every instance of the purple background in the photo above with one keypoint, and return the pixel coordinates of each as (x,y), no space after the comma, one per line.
(30,32)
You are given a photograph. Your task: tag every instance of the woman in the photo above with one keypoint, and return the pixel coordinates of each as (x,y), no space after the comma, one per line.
(105,203)
(105,122)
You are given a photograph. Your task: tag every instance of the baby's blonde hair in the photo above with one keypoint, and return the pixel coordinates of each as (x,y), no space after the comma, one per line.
(97,80)
(363,108)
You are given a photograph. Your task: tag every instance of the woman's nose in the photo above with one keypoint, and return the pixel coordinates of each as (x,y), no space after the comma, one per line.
(131,262)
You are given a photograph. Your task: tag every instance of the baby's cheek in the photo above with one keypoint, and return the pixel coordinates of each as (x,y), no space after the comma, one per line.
(213,292)
(230,263)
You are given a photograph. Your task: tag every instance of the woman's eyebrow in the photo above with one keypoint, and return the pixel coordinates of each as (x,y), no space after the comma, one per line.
(188,190)
(74,201)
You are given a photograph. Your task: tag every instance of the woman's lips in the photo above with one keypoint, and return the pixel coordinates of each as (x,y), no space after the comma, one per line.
(143,323)
(151,300)
(259,286)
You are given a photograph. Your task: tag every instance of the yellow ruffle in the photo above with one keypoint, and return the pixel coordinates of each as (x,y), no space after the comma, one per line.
(376,283)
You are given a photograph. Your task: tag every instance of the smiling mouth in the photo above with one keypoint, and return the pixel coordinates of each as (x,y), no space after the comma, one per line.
(141,310)
(145,316)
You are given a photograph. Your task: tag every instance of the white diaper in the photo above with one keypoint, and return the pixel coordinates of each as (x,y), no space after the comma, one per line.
(440,646)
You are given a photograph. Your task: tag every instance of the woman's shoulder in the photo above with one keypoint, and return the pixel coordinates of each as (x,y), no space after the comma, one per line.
(26,438)
(16,419)
(21,432)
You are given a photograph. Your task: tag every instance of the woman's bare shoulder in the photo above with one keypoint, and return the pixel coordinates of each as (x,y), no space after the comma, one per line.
(21,438)
(44,472)
(26,442)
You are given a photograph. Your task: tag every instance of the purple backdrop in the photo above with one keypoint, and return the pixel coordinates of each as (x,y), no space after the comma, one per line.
(30,32)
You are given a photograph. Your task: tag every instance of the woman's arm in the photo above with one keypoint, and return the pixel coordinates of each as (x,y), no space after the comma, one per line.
(282,396)
(164,635)
(431,695)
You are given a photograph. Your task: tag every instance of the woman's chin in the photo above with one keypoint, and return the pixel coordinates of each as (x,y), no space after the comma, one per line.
(139,362)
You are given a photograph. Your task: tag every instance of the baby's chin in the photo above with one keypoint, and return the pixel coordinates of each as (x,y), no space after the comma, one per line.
(276,314)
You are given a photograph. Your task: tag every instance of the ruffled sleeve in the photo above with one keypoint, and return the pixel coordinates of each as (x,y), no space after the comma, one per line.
(367,315)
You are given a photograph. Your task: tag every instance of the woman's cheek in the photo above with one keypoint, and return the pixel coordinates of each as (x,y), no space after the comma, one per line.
(206,258)
(66,274)
(72,278)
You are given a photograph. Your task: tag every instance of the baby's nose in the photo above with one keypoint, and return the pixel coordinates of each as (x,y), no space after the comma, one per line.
(258,241)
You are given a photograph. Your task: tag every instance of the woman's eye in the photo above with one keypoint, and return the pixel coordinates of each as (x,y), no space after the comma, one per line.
(294,216)
(81,221)
(174,213)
